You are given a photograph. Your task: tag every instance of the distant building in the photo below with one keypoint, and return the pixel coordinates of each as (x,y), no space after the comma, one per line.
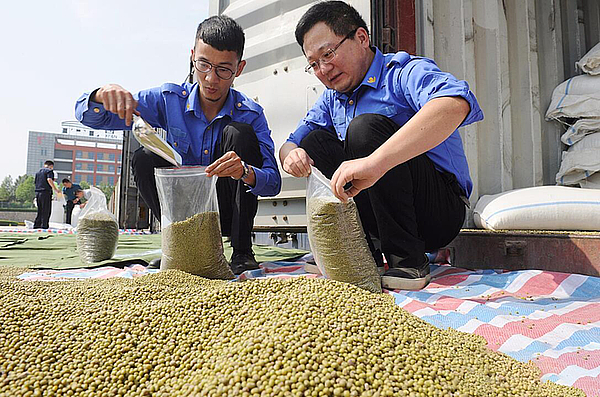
(79,153)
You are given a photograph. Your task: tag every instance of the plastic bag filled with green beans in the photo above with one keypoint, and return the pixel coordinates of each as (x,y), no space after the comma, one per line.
(336,236)
(191,229)
(97,229)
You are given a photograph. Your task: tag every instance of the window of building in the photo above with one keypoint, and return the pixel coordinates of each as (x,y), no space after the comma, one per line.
(91,133)
(111,156)
(99,168)
(78,166)
(64,130)
(111,168)
(111,180)
(119,170)
(63,154)
(62,166)
(89,179)
(77,130)
(100,156)
(77,178)
(91,155)
(90,167)
(79,154)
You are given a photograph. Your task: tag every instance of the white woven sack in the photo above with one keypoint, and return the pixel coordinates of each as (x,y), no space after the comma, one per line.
(577,97)
(580,161)
(540,208)
(590,62)
(581,128)
(591,182)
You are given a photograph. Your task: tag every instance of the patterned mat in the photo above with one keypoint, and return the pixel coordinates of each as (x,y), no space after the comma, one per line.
(551,319)
(11,229)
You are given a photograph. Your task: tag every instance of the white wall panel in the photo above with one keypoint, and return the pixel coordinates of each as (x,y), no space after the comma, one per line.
(510,53)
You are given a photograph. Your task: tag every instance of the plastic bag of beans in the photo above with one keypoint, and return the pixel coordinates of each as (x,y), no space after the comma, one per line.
(336,236)
(97,229)
(191,229)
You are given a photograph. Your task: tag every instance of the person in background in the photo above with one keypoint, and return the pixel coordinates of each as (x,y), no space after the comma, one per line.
(385,132)
(81,198)
(44,185)
(69,191)
(207,123)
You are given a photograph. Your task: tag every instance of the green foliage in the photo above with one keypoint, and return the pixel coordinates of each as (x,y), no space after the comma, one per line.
(7,189)
(107,190)
(25,191)
(84,185)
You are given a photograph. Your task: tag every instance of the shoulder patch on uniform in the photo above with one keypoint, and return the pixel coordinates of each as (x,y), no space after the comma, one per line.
(174,88)
(248,104)
(401,58)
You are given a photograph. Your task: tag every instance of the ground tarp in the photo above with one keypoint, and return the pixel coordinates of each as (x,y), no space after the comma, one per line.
(47,250)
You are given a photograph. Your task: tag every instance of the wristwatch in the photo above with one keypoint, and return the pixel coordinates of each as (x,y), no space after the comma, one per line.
(246,171)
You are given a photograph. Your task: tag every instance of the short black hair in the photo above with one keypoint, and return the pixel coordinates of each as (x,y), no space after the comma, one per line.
(49,162)
(66,180)
(222,33)
(341,18)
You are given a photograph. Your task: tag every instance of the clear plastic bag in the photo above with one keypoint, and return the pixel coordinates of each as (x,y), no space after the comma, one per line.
(336,237)
(191,229)
(97,229)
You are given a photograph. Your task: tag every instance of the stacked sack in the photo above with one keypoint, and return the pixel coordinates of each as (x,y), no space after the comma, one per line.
(576,103)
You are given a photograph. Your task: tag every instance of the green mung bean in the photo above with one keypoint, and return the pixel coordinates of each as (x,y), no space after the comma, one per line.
(338,243)
(195,246)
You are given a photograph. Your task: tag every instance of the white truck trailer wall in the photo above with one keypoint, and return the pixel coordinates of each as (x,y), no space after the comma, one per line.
(511,52)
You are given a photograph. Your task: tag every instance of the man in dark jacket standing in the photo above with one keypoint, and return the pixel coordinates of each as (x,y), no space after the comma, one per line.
(44,185)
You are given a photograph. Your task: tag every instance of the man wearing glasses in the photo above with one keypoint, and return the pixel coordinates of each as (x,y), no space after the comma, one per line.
(385,132)
(208,123)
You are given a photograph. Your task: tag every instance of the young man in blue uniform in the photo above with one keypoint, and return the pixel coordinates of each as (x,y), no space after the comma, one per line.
(385,132)
(44,185)
(208,123)
(70,192)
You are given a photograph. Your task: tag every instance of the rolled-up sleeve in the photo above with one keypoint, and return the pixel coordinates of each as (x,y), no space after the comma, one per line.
(421,81)
(318,117)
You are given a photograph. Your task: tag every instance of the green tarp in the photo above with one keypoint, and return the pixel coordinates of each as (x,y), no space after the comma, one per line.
(59,251)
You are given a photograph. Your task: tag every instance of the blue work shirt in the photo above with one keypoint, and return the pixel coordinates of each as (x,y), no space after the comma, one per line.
(69,192)
(397,86)
(176,109)
(41,180)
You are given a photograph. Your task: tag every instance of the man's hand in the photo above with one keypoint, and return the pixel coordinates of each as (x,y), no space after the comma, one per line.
(229,164)
(297,163)
(117,100)
(361,173)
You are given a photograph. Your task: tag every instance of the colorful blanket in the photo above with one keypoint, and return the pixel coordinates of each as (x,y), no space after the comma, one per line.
(551,319)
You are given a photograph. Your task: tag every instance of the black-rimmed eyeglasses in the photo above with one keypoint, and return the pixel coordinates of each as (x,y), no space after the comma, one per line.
(327,56)
(222,72)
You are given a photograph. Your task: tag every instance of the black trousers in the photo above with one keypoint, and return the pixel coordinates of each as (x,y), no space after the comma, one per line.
(412,209)
(237,207)
(44,209)
(69,211)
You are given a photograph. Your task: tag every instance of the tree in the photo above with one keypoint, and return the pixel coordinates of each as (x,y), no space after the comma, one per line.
(7,189)
(84,185)
(107,190)
(20,179)
(25,191)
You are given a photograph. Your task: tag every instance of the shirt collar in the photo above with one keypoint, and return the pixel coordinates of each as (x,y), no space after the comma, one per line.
(193,104)
(372,77)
